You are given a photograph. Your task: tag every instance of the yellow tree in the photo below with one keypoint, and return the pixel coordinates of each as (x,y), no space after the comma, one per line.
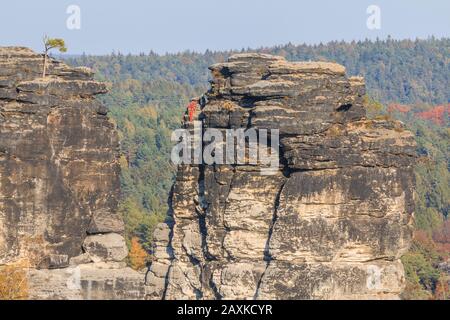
(13,281)
(49,44)
(137,256)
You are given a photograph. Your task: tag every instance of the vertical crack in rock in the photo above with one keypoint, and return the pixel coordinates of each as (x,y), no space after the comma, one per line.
(267,256)
(331,223)
(226,229)
(202,210)
(217,295)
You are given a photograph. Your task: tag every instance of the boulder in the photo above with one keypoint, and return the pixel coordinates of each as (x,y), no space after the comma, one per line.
(103,222)
(106,247)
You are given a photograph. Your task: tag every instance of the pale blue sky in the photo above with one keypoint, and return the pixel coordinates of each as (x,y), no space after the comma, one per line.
(175,25)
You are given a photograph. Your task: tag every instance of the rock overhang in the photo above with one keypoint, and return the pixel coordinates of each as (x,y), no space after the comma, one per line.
(334,219)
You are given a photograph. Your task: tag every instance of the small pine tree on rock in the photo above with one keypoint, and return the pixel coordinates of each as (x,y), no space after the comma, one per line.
(49,44)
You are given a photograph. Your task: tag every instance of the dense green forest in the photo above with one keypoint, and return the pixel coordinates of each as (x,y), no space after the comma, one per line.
(407,79)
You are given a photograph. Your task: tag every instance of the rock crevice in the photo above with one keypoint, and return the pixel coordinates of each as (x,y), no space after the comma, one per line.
(330,223)
(59,182)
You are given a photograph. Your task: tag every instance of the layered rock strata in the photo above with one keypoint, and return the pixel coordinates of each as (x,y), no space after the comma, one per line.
(333,220)
(59,182)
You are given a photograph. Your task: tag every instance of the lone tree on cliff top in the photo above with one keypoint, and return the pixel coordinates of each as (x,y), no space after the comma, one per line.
(49,44)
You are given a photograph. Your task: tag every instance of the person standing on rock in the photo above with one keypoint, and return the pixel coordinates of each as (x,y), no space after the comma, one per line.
(191,108)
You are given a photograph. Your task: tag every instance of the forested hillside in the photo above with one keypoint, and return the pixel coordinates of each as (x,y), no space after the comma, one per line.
(149,92)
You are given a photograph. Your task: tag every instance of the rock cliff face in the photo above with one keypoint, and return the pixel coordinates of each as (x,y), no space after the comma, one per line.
(59,181)
(332,222)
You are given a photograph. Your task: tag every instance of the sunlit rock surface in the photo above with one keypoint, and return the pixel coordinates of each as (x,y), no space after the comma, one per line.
(331,223)
(59,182)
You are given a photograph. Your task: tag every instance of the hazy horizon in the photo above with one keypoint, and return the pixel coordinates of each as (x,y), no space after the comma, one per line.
(239,49)
(174,26)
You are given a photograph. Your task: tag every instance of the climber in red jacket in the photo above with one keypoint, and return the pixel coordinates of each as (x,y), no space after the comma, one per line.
(192,107)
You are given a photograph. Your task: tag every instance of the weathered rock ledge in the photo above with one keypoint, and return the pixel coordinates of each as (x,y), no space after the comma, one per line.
(59,182)
(332,223)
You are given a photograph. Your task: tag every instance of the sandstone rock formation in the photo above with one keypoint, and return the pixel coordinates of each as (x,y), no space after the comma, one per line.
(59,181)
(332,222)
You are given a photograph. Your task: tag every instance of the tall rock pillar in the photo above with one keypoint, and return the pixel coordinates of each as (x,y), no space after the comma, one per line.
(331,223)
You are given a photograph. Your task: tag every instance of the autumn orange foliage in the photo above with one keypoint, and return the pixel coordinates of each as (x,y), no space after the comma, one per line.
(138,256)
(437,114)
(442,237)
(13,281)
(442,291)
(398,107)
